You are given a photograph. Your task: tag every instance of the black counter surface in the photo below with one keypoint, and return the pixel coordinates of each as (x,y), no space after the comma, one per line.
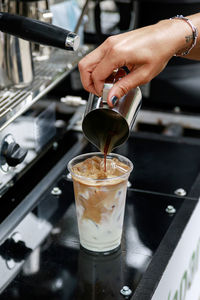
(149,237)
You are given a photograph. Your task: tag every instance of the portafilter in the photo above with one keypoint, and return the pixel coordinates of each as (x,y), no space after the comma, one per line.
(38,32)
(16,67)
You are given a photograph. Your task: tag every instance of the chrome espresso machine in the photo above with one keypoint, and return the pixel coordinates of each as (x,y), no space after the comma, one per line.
(40,130)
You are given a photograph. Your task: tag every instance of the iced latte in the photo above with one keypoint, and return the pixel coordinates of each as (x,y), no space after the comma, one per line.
(100,198)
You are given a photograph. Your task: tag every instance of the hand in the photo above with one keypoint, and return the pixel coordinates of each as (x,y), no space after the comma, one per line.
(145,51)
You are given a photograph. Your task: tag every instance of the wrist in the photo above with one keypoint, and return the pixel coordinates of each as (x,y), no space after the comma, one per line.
(190,39)
(174,32)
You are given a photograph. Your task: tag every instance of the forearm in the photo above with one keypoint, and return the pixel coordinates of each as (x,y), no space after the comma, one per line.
(145,51)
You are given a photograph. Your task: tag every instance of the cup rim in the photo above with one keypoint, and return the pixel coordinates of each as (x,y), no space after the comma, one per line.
(69,166)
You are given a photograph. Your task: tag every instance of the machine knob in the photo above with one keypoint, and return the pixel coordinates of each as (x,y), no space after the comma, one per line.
(15,250)
(14,154)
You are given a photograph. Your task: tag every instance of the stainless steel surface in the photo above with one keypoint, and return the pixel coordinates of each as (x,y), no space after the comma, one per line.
(72,41)
(4,5)
(14,101)
(128,106)
(56,191)
(170,210)
(39,229)
(38,10)
(33,9)
(166,118)
(16,64)
(19,61)
(180,192)
(126,291)
(83,12)
(129,184)
(116,121)
(4,80)
(32,263)
(32,132)
(74,101)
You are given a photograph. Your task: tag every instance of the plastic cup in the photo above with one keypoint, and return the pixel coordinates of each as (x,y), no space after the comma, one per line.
(100,206)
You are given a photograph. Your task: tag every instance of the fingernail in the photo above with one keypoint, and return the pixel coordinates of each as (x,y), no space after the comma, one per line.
(114,100)
(126,69)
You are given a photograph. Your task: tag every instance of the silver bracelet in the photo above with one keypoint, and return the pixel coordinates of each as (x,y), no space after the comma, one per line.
(194,33)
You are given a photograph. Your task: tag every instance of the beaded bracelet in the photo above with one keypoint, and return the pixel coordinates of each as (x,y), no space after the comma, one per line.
(194,33)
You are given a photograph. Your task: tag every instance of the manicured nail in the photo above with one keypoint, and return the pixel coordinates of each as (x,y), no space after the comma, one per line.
(126,69)
(114,100)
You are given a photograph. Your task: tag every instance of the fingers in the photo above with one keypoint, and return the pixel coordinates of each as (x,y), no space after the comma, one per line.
(136,78)
(110,61)
(98,65)
(86,67)
(103,70)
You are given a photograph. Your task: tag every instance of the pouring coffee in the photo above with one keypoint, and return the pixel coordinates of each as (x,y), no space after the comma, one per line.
(106,127)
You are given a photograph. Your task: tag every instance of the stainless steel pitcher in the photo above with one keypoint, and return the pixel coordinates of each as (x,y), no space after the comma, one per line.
(107,127)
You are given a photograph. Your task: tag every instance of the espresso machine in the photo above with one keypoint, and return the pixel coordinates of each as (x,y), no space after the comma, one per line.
(41,131)
(33,134)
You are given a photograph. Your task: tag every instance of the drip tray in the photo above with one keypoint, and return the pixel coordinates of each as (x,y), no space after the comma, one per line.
(87,276)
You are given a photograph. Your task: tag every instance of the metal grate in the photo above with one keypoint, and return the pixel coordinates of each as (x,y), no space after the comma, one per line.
(48,73)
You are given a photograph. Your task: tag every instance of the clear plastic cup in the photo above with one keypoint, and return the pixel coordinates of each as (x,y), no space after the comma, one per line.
(100,205)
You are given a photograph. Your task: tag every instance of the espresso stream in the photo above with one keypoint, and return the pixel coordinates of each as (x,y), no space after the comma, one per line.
(114,77)
(106,147)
